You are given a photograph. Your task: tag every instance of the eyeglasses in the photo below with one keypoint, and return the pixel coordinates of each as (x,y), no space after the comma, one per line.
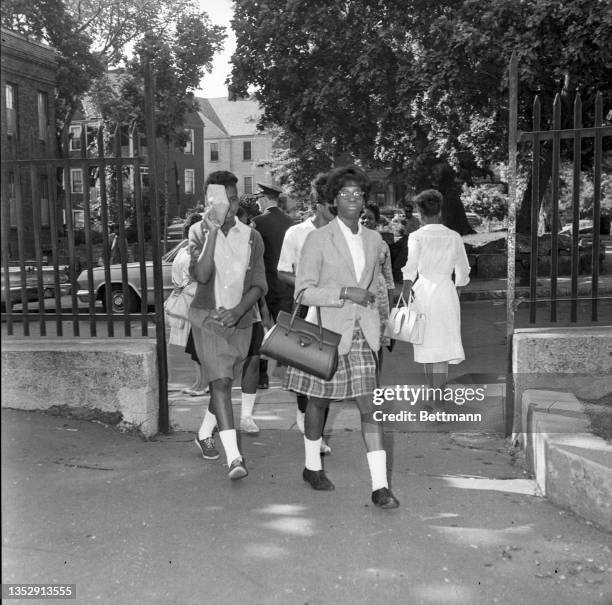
(347,195)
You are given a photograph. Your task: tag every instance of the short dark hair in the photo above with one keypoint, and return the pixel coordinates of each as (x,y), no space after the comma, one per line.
(318,188)
(408,206)
(338,177)
(429,202)
(221,177)
(192,219)
(248,202)
(375,210)
(241,213)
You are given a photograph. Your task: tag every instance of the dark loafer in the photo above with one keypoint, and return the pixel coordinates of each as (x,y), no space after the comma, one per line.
(318,480)
(384,498)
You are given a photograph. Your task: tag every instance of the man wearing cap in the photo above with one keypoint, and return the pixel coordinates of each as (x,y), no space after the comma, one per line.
(272,225)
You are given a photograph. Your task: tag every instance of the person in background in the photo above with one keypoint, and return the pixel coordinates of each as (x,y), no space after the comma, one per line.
(399,249)
(338,272)
(288,205)
(183,336)
(114,246)
(227,263)
(272,225)
(250,369)
(386,285)
(288,263)
(434,253)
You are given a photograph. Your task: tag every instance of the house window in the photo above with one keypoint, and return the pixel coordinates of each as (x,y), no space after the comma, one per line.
(214,152)
(12,199)
(189,181)
(43,115)
(44,201)
(75,138)
(188,149)
(76,180)
(78,219)
(144,177)
(11,110)
(248,184)
(246,150)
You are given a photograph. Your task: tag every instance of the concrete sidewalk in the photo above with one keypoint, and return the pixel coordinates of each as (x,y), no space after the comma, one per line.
(132,521)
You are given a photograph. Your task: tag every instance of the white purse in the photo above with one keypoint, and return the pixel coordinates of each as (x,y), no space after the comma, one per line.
(406,322)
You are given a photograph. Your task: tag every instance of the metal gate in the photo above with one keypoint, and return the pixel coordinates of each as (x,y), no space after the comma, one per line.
(118,189)
(546,149)
(545,158)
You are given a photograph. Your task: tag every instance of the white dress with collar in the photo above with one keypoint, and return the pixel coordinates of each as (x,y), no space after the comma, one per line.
(434,253)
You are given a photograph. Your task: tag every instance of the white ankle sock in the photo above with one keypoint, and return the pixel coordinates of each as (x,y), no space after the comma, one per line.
(208,425)
(230,445)
(377,461)
(248,403)
(312,450)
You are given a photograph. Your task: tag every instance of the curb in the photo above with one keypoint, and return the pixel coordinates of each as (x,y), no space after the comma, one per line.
(572,467)
(523,293)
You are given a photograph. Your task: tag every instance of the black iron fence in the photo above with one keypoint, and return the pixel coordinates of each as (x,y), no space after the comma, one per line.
(573,249)
(66,227)
(584,251)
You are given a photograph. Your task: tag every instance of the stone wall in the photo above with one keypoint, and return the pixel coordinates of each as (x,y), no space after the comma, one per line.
(575,360)
(114,380)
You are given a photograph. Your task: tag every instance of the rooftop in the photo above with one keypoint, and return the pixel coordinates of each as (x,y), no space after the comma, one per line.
(230,118)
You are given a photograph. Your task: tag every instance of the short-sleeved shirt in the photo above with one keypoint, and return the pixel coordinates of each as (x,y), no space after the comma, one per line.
(293,244)
(231,260)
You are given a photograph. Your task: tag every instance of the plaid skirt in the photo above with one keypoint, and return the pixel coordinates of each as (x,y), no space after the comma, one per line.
(355,376)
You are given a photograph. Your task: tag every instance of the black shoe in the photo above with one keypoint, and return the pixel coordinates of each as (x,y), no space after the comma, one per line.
(318,480)
(263,382)
(384,498)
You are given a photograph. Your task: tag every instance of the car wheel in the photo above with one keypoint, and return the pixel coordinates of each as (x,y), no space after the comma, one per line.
(119,301)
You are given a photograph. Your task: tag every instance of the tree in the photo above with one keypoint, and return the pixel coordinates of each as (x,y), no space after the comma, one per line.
(415,85)
(178,57)
(49,21)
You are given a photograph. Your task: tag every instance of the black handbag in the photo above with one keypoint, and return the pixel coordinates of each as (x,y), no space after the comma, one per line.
(303,345)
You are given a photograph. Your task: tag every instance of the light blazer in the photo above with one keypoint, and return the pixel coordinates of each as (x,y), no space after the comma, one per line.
(324,268)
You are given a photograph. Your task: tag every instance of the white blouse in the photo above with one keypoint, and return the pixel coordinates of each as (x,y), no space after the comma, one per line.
(434,251)
(355,246)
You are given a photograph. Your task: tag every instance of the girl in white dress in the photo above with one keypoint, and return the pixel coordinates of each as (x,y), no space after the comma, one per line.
(434,253)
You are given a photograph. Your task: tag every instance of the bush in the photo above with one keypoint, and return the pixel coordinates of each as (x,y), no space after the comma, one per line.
(486,201)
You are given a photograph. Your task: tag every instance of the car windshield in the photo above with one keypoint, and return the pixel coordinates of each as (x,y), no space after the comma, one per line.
(171,254)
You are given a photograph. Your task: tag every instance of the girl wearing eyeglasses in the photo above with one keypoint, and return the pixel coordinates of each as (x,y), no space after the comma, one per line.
(338,272)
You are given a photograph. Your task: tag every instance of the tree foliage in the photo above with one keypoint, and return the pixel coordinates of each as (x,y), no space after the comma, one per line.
(485,200)
(416,85)
(95,37)
(49,21)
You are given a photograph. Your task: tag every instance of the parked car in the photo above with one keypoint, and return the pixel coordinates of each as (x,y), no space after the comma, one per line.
(14,291)
(585,227)
(473,219)
(174,233)
(32,294)
(132,298)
